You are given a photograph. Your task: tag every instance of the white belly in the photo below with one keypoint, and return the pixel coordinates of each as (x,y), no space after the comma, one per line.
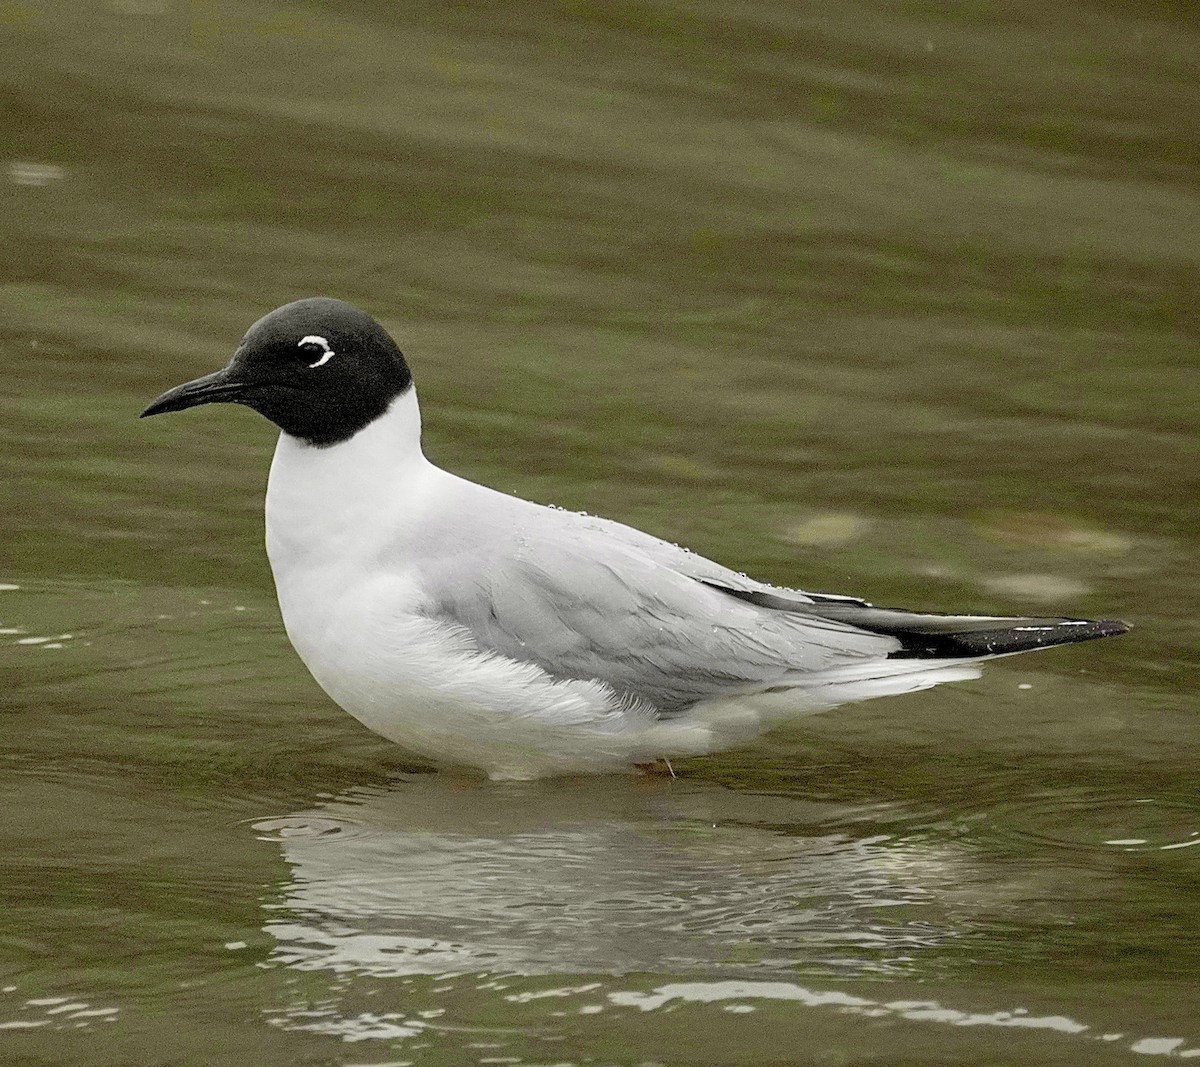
(421,683)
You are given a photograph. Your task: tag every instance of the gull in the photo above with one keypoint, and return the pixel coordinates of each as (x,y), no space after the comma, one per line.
(482,630)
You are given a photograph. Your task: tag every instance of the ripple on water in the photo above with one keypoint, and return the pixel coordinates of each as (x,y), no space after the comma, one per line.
(315,827)
(120,626)
(1093,820)
(747,995)
(34,174)
(51,1012)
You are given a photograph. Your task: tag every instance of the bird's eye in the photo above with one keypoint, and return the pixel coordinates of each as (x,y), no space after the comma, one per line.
(317,348)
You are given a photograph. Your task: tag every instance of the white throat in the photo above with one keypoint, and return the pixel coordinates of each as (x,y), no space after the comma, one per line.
(325,504)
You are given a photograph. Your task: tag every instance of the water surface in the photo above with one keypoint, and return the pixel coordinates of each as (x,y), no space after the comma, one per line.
(877,299)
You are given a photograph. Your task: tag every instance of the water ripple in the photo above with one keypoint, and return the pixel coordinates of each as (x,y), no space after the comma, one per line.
(1094,820)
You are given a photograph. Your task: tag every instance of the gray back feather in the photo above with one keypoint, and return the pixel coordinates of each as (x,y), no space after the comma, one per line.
(587,598)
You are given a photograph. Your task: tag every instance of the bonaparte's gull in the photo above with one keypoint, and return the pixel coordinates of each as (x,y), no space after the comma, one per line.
(481,629)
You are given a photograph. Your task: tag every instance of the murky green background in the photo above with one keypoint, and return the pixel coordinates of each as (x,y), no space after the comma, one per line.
(889,298)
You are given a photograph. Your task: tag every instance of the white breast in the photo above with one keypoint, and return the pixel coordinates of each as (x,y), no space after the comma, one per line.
(347,529)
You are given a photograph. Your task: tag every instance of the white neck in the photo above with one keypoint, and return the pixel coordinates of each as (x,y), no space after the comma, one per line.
(325,502)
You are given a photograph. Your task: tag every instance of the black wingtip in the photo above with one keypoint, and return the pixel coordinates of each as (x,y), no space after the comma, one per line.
(1112,627)
(1027,636)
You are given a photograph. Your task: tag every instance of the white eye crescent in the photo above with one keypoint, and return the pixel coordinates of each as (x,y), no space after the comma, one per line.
(313,339)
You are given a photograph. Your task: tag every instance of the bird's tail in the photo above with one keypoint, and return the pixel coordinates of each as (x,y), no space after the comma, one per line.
(933,649)
(735,718)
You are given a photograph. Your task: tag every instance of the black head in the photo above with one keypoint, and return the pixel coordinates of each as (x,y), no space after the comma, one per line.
(319,369)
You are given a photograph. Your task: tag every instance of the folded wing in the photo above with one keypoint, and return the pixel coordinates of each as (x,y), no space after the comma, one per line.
(586,598)
(591,608)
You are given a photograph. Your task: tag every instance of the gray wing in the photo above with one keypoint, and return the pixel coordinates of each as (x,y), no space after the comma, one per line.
(590,599)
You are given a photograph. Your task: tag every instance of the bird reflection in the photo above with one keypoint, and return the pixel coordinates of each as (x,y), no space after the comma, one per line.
(434,875)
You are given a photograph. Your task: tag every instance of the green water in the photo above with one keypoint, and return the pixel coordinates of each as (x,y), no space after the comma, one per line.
(896,299)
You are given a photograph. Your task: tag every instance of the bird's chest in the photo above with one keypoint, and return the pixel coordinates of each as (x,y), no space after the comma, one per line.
(338,538)
(366,639)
